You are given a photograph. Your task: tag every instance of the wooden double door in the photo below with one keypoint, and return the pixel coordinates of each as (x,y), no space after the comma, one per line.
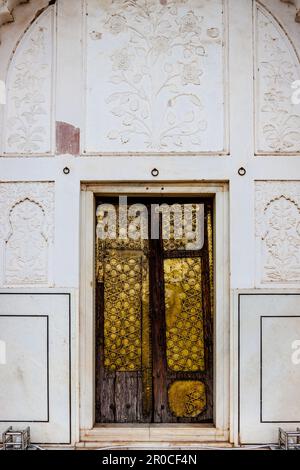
(154,311)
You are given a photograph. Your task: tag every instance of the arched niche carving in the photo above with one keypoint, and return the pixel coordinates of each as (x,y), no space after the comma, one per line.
(26,233)
(278,231)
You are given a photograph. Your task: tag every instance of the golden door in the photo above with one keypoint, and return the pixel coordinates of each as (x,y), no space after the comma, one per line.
(154,313)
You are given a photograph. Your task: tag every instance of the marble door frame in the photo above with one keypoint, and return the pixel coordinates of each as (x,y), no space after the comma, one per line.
(219,431)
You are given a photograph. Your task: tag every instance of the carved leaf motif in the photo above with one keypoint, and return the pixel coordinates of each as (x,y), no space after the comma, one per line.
(118,112)
(196,100)
(277,68)
(28,115)
(284,134)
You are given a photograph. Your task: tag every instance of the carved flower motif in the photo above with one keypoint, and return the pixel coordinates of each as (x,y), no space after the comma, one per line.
(121,60)
(116,24)
(26,81)
(191,73)
(189,23)
(160,44)
(148,79)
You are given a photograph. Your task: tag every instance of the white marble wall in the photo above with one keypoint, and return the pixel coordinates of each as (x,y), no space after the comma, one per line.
(269,332)
(151,84)
(36,374)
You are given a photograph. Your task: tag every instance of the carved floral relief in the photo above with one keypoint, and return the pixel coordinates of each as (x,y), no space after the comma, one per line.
(26,232)
(277,67)
(155,76)
(29,94)
(278,231)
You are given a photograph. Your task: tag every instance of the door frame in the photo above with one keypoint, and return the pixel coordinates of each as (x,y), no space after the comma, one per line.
(219,431)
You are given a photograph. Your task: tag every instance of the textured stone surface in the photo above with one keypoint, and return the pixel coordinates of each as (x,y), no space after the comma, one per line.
(297,5)
(6,9)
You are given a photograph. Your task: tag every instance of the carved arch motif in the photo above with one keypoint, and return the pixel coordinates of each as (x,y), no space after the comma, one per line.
(278,231)
(27,233)
(26,250)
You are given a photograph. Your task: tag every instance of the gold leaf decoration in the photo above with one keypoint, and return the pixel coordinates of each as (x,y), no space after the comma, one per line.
(184,315)
(122,311)
(187,399)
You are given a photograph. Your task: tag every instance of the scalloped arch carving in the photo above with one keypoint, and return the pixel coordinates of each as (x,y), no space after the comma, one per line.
(278,231)
(26,233)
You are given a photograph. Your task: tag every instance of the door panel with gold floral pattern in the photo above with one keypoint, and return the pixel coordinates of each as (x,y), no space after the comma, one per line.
(154,304)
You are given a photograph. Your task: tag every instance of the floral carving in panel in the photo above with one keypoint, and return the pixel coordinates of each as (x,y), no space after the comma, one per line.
(278,229)
(155,76)
(277,67)
(29,94)
(27,232)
